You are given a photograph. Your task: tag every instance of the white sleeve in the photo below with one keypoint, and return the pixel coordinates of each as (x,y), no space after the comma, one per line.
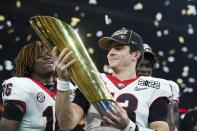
(175,91)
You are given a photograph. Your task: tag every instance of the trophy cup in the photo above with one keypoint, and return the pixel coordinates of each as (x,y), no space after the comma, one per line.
(54,32)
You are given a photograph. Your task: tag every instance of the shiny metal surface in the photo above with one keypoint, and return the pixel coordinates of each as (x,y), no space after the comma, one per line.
(55,32)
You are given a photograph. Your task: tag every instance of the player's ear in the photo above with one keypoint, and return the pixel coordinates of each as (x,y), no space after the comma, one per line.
(137,54)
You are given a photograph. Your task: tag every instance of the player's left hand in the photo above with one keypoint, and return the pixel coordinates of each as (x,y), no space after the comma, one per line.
(120,120)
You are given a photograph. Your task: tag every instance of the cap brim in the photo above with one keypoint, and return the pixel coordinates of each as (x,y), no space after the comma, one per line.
(106,42)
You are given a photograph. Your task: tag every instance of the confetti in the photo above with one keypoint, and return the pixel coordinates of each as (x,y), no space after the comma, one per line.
(138,6)
(108,20)
(91,50)
(2,18)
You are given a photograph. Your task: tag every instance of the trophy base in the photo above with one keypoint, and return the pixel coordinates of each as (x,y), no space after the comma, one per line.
(104,106)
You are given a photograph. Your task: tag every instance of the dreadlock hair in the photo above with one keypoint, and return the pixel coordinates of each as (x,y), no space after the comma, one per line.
(26,58)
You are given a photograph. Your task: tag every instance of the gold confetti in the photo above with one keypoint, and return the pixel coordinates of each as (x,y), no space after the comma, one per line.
(1,46)
(89,34)
(172,51)
(164,62)
(2,18)
(156,23)
(77,8)
(138,6)
(166,32)
(10,31)
(18,3)
(91,50)
(28,38)
(181,39)
(190,56)
(179,80)
(74,21)
(186,68)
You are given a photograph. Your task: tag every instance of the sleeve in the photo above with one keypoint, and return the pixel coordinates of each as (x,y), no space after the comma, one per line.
(158,110)
(81,101)
(14,90)
(175,91)
(13,111)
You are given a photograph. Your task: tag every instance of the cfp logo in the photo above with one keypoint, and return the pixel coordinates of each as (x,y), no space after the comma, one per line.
(40,97)
(122,33)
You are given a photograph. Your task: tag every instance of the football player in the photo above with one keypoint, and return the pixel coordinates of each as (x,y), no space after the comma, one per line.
(29,98)
(141,102)
(145,69)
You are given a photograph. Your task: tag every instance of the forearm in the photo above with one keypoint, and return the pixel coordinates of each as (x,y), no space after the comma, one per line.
(9,125)
(64,110)
(154,126)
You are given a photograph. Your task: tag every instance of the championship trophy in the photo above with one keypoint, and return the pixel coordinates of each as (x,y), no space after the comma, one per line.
(54,32)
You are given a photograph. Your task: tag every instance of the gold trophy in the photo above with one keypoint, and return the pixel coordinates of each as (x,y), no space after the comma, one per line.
(54,32)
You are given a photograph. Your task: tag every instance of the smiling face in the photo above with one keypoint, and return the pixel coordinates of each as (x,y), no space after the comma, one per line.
(120,57)
(44,65)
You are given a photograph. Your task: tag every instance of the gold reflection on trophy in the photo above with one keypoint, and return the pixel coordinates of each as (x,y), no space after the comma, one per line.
(84,73)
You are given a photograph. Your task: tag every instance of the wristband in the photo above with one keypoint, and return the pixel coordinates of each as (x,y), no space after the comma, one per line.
(63,85)
(130,127)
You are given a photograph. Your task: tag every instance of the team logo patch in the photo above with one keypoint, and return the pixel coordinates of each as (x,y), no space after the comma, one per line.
(40,97)
(120,85)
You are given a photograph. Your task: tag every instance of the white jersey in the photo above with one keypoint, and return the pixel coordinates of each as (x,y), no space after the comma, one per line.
(135,97)
(38,102)
(175,90)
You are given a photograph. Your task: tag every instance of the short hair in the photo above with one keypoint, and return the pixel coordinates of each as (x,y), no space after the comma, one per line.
(26,58)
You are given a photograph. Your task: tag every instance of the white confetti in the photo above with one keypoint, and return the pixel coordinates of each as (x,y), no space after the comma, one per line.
(185,74)
(8,22)
(191,10)
(171,59)
(108,20)
(8,65)
(192,80)
(190,29)
(166,69)
(1,67)
(160,53)
(99,33)
(159,16)
(159,33)
(138,6)
(184,49)
(92,2)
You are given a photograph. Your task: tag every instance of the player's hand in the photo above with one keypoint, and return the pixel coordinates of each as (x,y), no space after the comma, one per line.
(120,121)
(63,62)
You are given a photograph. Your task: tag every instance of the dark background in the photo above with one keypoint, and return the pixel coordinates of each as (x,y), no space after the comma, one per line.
(174,40)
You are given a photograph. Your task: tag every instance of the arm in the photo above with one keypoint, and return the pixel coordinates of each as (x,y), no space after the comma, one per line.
(68,114)
(173,115)
(9,125)
(11,117)
(158,114)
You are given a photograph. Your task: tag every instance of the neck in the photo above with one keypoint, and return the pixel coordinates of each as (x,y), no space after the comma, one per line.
(43,80)
(124,74)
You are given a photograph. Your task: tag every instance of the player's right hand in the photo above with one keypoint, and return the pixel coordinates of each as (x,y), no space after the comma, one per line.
(63,62)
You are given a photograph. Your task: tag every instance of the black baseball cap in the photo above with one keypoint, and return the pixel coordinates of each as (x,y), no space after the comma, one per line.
(148,49)
(148,53)
(125,37)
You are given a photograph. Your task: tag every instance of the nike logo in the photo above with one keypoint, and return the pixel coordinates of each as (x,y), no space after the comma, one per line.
(139,89)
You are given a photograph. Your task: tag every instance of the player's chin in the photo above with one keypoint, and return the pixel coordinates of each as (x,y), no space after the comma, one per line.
(143,74)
